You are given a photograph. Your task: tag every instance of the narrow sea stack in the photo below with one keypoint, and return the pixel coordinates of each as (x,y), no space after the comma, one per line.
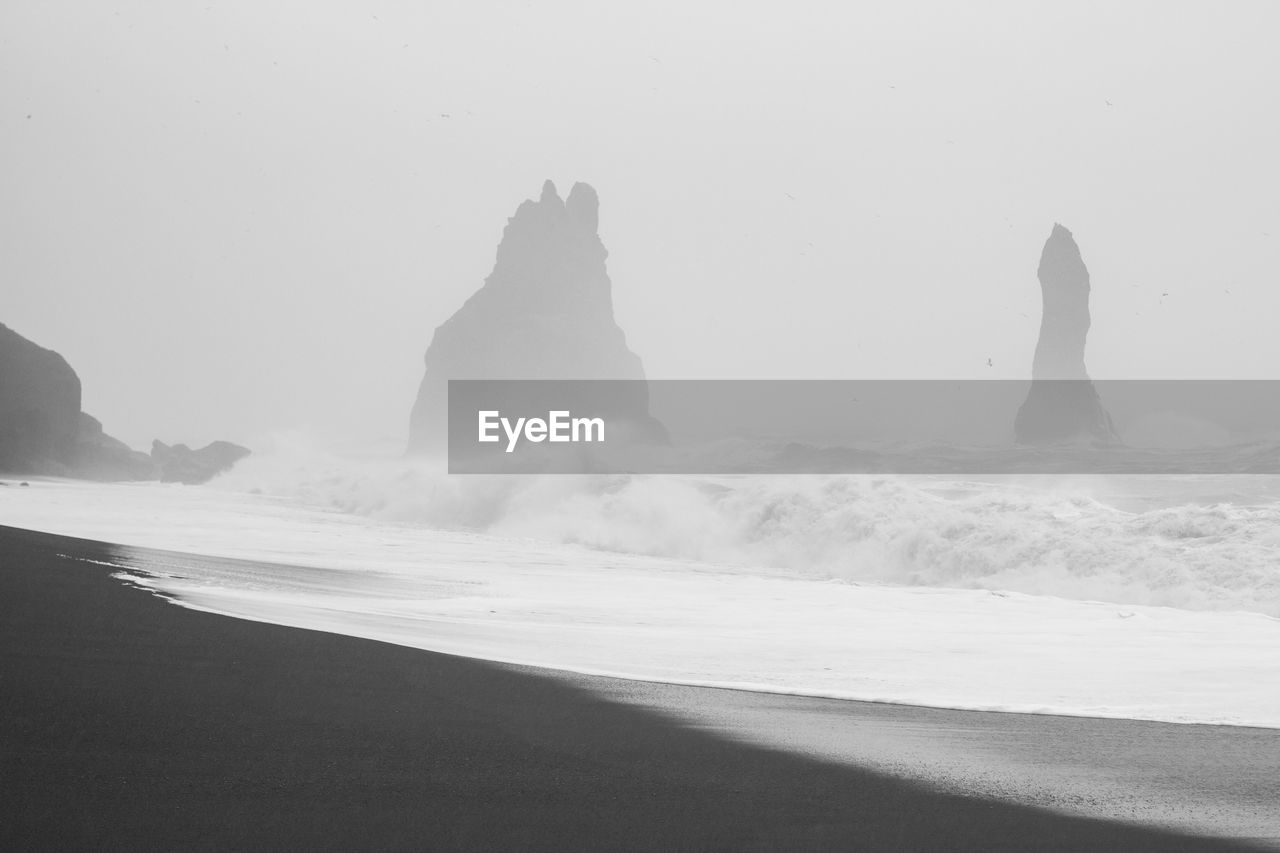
(545,312)
(1063,404)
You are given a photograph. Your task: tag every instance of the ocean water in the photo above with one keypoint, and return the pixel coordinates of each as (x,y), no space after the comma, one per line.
(1143,597)
(1203,542)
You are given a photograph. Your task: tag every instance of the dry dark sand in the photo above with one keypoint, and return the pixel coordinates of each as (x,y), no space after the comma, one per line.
(131,724)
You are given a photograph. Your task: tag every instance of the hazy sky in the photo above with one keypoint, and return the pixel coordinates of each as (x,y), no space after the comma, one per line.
(234,217)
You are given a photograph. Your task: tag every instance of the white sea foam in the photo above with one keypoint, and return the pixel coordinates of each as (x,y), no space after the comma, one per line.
(1191,542)
(589,606)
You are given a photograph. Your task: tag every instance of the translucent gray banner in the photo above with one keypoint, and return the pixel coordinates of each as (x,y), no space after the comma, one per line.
(864,426)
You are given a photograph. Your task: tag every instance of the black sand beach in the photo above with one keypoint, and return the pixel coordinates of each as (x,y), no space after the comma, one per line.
(132,724)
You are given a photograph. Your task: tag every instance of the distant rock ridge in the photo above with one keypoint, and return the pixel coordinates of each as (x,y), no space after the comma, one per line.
(101,457)
(180,464)
(1063,404)
(544,312)
(43,430)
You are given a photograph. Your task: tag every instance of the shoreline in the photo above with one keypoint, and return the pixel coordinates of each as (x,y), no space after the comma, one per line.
(136,577)
(130,722)
(547,603)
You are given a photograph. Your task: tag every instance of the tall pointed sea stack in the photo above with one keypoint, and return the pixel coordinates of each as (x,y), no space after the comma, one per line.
(545,312)
(1063,405)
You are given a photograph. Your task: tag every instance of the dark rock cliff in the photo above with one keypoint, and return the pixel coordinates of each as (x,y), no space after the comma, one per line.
(39,407)
(43,431)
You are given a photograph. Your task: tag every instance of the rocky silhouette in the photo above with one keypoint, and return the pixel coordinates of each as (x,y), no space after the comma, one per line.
(43,430)
(1063,404)
(39,406)
(545,312)
(180,464)
(98,456)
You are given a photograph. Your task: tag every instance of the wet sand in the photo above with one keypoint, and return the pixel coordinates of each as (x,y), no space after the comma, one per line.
(129,723)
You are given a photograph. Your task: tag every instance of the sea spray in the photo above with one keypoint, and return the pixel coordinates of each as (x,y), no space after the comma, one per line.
(1135,540)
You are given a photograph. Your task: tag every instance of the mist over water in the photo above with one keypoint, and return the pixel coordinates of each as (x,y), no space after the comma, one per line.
(1195,542)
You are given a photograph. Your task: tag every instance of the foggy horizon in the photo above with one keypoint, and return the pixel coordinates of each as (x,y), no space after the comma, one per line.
(568,425)
(242,220)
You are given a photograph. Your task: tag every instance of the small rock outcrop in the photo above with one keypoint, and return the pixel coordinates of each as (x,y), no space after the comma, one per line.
(178,463)
(545,312)
(39,407)
(1063,404)
(98,456)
